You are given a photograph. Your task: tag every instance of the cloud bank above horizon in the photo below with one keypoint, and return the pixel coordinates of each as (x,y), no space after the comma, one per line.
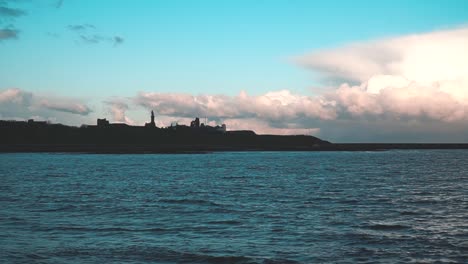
(409,85)
(17,104)
(419,79)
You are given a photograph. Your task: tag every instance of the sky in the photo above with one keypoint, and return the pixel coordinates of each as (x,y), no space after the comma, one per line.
(345,71)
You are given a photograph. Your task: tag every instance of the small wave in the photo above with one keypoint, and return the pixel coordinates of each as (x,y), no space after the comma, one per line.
(154,254)
(189,202)
(279,261)
(106,229)
(349,201)
(64,208)
(386,226)
(35,256)
(409,213)
(225,222)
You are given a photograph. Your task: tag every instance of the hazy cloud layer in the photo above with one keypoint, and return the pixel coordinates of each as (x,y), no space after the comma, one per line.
(274,106)
(279,111)
(19,104)
(67,106)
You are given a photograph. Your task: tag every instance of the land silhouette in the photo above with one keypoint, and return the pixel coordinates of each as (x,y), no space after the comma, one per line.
(106,137)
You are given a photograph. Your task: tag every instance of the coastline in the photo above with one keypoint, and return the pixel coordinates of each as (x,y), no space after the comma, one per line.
(199,149)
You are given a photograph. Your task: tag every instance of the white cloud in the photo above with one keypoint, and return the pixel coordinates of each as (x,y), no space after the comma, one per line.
(274,112)
(262,127)
(418,76)
(278,105)
(19,104)
(14,95)
(118,109)
(411,80)
(412,100)
(426,58)
(68,106)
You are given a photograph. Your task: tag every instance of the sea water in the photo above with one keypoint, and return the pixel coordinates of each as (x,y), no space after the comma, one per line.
(238,207)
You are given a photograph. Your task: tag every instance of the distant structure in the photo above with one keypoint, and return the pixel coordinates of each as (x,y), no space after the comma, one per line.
(102,122)
(40,123)
(152,123)
(221,128)
(195,123)
(196,127)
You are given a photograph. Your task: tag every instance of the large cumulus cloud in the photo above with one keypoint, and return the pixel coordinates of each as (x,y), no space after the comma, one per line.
(416,76)
(415,83)
(428,57)
(409,88)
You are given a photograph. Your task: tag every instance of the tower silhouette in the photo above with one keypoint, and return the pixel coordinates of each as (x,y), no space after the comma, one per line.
(151,124)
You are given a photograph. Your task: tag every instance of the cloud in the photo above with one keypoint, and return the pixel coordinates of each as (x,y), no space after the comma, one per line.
(11,12)
(14,95)
(385,89)
(17,103)
(87,34)
(118,40)
(263,127)
(68,106)
(408,88)
(413,100)
(8,15)
(274,106)
(415,76)
(7,33)
(80,27)
(428,57)
(92,39)
(118,110)
(273,111)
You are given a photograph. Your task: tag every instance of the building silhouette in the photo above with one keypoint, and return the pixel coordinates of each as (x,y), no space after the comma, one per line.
(152,123)
(102,122)
(195,123)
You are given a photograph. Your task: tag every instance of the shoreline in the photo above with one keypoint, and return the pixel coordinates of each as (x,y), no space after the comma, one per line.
(200,149)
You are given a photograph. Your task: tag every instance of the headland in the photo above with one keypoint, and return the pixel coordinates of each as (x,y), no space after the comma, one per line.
(106,137)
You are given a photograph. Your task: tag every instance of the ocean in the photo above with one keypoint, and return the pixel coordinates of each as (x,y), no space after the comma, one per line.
(235,207)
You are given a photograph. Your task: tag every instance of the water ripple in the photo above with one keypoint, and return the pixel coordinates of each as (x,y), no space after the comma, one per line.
(259,207)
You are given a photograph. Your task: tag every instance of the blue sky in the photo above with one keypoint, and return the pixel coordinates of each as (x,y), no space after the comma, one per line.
(198,46)
(194,47)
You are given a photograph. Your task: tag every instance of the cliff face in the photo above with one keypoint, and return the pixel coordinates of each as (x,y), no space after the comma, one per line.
(127,138)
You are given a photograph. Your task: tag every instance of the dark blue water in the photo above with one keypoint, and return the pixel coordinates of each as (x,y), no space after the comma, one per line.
(261,207)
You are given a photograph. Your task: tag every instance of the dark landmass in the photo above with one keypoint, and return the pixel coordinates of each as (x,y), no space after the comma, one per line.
(32,136)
